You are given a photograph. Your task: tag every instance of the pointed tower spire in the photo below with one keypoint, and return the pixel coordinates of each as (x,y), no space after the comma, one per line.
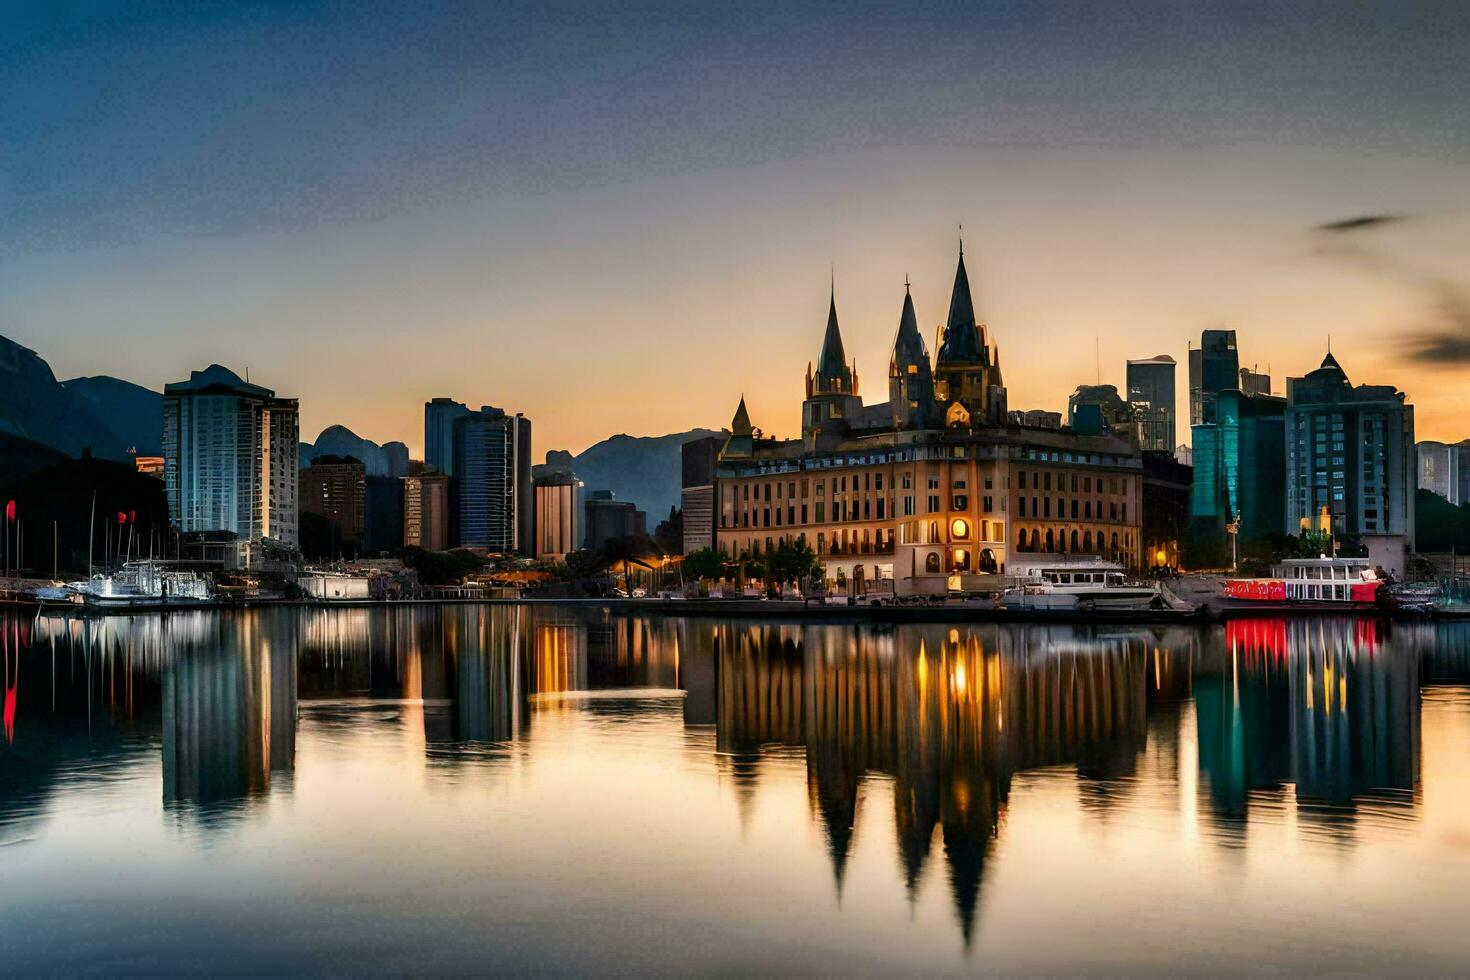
(740,425)
(833,374)
(961,338)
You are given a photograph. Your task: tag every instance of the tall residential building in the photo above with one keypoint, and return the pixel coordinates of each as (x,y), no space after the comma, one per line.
(439,416)
(558,516)
(1350,449)
(230,451)
(425,509)
(699,458)
(926,495)
(1151,393)
(1239,475)
(1445,469)
(492,471)
(1213,367)
(335,487)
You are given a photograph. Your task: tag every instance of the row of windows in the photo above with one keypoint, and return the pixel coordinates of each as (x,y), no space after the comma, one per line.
(1041,507)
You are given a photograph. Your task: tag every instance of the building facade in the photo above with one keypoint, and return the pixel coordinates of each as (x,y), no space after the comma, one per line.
(383,533)
(558,517)
(699,459)
(1444,469)
(335,487)
(1214,367)
(439,417)
(230,458)
(426,515)
(1151,393)
(608,519)
(925,490)
(492,473)
(1350,449)
(1239,476)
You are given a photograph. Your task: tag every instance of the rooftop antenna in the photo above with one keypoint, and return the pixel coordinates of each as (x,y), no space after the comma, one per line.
(962,240)
(905,283)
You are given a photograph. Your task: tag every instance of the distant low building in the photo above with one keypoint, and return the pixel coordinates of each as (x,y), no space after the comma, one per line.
(609,519)
(558,516)
(426,509)
(335,487)
(1444,469)
(149,465)
(699,457)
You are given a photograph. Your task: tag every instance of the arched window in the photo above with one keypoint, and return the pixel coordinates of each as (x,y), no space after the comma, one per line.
(931,563)
(1021,540)
(1035,539)
(1087,542)
(1050,541)
(1074,539)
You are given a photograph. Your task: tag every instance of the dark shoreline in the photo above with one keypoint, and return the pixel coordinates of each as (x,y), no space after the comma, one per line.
(783,610)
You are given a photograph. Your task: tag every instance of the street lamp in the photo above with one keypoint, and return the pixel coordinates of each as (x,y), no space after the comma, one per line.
(1233,529)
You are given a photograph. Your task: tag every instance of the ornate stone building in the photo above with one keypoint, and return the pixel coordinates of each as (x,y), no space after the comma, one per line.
(935,486)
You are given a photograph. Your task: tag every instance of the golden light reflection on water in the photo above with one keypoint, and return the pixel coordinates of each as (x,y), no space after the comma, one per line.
(931,766)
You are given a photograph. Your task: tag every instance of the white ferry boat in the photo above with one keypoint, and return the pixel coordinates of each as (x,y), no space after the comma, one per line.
(143,583)
(1082,585)
(1352,581)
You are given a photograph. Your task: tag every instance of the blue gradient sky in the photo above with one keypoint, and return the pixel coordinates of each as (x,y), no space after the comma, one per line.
(620,218)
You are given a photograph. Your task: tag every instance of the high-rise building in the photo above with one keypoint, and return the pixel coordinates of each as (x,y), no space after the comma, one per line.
(1151,393)
(425,509)
(699,458)
(1350,449)
(1239,475)
(492,472)
(439,416)
(335,487)
(1214,367)
(230,451)
(558,516)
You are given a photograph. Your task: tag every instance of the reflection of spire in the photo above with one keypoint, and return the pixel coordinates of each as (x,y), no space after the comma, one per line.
(833,790)
(970,821)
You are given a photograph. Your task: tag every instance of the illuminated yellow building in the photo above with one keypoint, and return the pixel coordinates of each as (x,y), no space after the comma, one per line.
(941,481)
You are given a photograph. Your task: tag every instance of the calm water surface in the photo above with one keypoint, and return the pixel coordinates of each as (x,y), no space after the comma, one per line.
(528,789)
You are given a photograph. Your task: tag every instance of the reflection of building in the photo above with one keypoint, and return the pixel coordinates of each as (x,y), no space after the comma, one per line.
(229,716)
(1351,450)
(699,457)
(950,716)
(492,471)
(426,511)
(335,487)
(230,452)
(558,516)
(922,487)
(1151,393)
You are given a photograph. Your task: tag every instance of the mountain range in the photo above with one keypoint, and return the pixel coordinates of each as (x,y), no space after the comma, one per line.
(114,418)
(389,459)
(646,470)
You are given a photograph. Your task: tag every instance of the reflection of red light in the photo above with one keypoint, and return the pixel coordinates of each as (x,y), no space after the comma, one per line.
(10,714)
(1252,636)
(132,517)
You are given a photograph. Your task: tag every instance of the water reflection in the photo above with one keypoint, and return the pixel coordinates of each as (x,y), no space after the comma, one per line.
(1318,720)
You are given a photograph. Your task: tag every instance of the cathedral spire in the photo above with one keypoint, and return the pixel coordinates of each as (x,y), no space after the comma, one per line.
(740,425)
(833,374)
(961,337)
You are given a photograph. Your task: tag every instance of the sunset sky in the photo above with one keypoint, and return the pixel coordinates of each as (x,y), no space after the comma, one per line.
(618,220)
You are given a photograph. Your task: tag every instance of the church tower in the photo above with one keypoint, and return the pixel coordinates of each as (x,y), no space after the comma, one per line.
(967,377)
(831,392)
(910,377)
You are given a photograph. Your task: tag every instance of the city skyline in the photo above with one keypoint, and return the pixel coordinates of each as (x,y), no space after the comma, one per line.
(536,243)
